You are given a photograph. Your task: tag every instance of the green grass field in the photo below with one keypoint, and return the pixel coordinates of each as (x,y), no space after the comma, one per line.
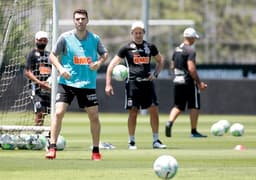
(199,159)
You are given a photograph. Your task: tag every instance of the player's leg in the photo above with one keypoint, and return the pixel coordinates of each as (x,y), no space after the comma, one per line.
(148,99)
(194,107)
(38,109)
(174,113)
(131,104)
(56,122)
(87,99)
(154,122)
(132,122)
(180,100)
(95,127)
(41,112)
(39,120)
(65,96)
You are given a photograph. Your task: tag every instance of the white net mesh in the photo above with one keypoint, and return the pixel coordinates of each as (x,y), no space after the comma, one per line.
(19,21)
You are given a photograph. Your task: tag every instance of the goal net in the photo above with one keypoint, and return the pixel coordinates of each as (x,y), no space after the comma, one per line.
(19,21)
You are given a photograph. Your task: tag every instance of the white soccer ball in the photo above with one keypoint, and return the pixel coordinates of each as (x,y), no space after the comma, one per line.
(225,123)
(8,142)
(22,141)
(31,142)
(39,142)
(217,129)
(165,166)
(61,143)
(237,129)
(120,72)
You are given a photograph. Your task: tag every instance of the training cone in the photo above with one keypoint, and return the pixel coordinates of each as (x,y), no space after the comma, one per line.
(239,147)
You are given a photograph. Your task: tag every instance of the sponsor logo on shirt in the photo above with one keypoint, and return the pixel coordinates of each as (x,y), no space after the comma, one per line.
(140,60)
(44,69)
(81,60)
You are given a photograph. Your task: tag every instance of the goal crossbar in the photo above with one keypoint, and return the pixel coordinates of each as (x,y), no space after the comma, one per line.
(24,128)
(120,22)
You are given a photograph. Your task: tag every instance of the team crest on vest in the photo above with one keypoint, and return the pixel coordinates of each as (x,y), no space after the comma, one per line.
(132,45)
(146,49)
(37,53)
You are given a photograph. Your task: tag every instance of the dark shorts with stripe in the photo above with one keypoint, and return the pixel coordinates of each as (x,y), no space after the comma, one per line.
(42,102)
(186,95)
(85,97)
(140,94)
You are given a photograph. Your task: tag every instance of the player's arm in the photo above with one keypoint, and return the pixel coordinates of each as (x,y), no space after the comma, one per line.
(115,61)
(59,49)
(29,74)
(103,57)
(159,66)
(193,73)
(96,65)
(62,71)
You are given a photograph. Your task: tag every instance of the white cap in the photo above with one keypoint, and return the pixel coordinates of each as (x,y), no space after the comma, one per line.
(41,34)
(190,32)
(137,24)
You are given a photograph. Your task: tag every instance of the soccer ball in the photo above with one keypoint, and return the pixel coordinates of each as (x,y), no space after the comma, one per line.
(61,143)
(8,142)
(39,142)
(120,72)
(237,129)
(22,141)
(217,129)
(225,124)
(165,166)
(30,142)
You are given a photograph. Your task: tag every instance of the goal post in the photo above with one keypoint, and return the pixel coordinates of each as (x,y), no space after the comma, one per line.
(19,21)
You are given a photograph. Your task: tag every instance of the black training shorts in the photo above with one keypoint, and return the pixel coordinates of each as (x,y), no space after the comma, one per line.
(85,97)
(186,95)
(140,94)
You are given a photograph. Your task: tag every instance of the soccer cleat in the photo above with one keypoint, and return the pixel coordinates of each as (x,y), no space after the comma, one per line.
(168,129)
(197,135)
(51,153)
(132,145)
(158,145)
(96,156)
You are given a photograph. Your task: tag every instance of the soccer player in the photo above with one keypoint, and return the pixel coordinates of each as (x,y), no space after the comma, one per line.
(187,84)
(140,90)
(81,54)
(38,70)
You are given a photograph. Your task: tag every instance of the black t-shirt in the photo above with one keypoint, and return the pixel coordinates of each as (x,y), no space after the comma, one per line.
(137,58)
(38,62)
(180,56)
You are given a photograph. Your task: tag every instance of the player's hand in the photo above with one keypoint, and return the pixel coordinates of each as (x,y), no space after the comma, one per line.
(64,73)
(109,90)
(45,85)
(151,77)
(95,66)
(202,85)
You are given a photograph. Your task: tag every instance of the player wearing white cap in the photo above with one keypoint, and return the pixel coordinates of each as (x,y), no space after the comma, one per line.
(140,90)
(38,70)
(187,84)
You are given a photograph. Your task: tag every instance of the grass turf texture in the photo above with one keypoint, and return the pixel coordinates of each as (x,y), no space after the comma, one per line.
(199,159)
